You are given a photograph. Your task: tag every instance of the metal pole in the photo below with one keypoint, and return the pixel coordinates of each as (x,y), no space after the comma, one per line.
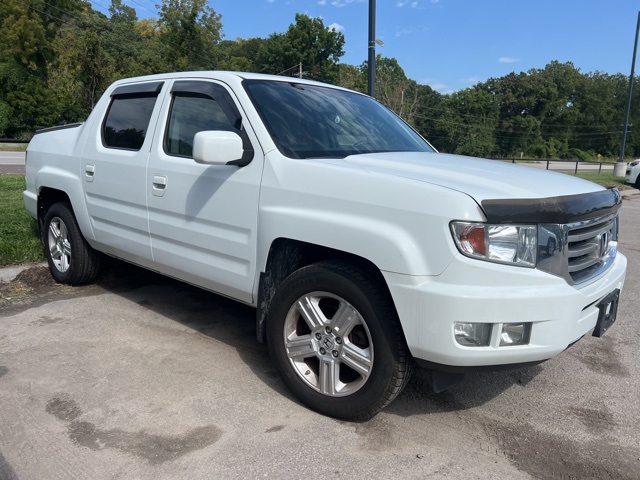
(372,47)
(620,167)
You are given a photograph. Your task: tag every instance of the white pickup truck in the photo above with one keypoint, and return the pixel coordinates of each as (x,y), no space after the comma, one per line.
(363,250)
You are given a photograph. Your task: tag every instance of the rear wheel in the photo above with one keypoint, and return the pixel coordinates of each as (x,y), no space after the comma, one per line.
(336,341)
(71,259)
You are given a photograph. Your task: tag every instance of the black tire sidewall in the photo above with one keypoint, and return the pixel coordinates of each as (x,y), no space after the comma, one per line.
(76,241)
(379,319)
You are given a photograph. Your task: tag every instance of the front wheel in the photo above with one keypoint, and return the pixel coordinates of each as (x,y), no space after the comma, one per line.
(336,340)
(71,259)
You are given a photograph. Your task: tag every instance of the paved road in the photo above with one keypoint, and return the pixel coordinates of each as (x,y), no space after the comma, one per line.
(142,377)
(12,158)
(12,162)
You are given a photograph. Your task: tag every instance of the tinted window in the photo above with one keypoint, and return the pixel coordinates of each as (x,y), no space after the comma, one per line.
(190,114)
(315,121)
(128,120)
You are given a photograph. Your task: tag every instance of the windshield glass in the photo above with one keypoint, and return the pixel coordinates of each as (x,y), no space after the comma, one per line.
(310,121)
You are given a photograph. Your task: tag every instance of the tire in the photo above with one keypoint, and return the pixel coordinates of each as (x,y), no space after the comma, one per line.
(637,184)
(336,341)
(71,260)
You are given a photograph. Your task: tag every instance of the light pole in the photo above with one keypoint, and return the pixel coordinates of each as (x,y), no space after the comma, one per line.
(621,166)
(372,48)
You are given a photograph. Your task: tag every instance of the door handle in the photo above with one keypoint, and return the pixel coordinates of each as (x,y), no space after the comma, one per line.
(159,185)
(89,172)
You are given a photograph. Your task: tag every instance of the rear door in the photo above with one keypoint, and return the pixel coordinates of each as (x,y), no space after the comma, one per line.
(114,167)
(203,218)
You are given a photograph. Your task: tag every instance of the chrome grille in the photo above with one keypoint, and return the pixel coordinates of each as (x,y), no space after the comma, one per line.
(578,252)
(589,247)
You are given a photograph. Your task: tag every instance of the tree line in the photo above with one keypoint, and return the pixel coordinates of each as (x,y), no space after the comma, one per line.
(58,56)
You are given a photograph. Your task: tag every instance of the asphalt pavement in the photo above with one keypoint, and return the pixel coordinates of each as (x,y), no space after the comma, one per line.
(12,162)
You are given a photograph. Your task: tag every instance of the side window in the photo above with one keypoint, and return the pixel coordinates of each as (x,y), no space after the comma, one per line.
(192,113)
(197,106)
(127,120)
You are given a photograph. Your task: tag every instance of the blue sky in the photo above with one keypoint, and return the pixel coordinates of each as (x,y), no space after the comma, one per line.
(452,44)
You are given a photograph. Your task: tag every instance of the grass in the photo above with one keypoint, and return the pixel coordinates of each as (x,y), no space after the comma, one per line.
(13,147)
(606,179)
(19,242)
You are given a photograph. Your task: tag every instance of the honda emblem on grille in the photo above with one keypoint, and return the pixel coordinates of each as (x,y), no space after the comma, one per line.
(603,243)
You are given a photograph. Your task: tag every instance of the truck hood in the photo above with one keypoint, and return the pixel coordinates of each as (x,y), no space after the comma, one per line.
(479,178)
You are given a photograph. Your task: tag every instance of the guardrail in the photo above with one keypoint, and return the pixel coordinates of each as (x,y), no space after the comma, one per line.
(573,165)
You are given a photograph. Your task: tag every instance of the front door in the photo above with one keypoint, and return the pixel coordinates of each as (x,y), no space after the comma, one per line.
(203,218)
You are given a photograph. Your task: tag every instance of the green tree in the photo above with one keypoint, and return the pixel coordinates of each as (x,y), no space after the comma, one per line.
(26,49)
(430,105)
(240,55)
(307,42)
(352,77)
(190,32)
(469,123)
(84,68)
(393,88)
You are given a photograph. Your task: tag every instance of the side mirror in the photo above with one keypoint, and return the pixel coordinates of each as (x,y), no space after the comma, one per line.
(217,147)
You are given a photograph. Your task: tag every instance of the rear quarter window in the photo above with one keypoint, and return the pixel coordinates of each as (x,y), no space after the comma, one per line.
(127,120)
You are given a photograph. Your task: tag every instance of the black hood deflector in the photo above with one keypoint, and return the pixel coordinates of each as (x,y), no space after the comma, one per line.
(563,209)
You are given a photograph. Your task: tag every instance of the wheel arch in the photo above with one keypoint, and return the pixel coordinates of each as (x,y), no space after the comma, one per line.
(288,255)
(46,198)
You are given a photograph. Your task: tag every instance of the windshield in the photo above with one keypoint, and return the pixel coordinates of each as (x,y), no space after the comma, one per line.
(310,121)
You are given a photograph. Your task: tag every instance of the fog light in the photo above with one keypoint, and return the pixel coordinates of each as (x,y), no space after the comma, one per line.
(515,334)
(472,334)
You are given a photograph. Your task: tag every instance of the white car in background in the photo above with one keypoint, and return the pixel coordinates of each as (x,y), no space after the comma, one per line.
(633,173)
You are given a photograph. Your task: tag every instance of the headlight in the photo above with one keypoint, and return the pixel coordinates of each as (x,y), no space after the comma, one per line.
(508,244)
(634,163)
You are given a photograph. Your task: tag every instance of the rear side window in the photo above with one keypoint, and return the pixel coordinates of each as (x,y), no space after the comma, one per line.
(127,120)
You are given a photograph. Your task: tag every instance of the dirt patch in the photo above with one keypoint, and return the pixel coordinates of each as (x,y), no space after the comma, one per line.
(602,357)
(155,449)
(36,280)
(28,288)
(553,456)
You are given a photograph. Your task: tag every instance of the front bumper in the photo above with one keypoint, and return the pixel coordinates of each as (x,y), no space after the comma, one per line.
(480,292)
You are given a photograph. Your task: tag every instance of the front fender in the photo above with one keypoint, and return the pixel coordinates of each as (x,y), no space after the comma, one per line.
(399,224)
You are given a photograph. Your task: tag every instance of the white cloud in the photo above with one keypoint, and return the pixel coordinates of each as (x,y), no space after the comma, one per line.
(344,3)
(322,2)
(437,86)
(405,31)
(402,3)
(336,27)
(508,60)
(472,80)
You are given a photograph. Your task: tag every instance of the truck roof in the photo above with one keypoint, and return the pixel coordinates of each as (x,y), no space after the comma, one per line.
(224,76)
